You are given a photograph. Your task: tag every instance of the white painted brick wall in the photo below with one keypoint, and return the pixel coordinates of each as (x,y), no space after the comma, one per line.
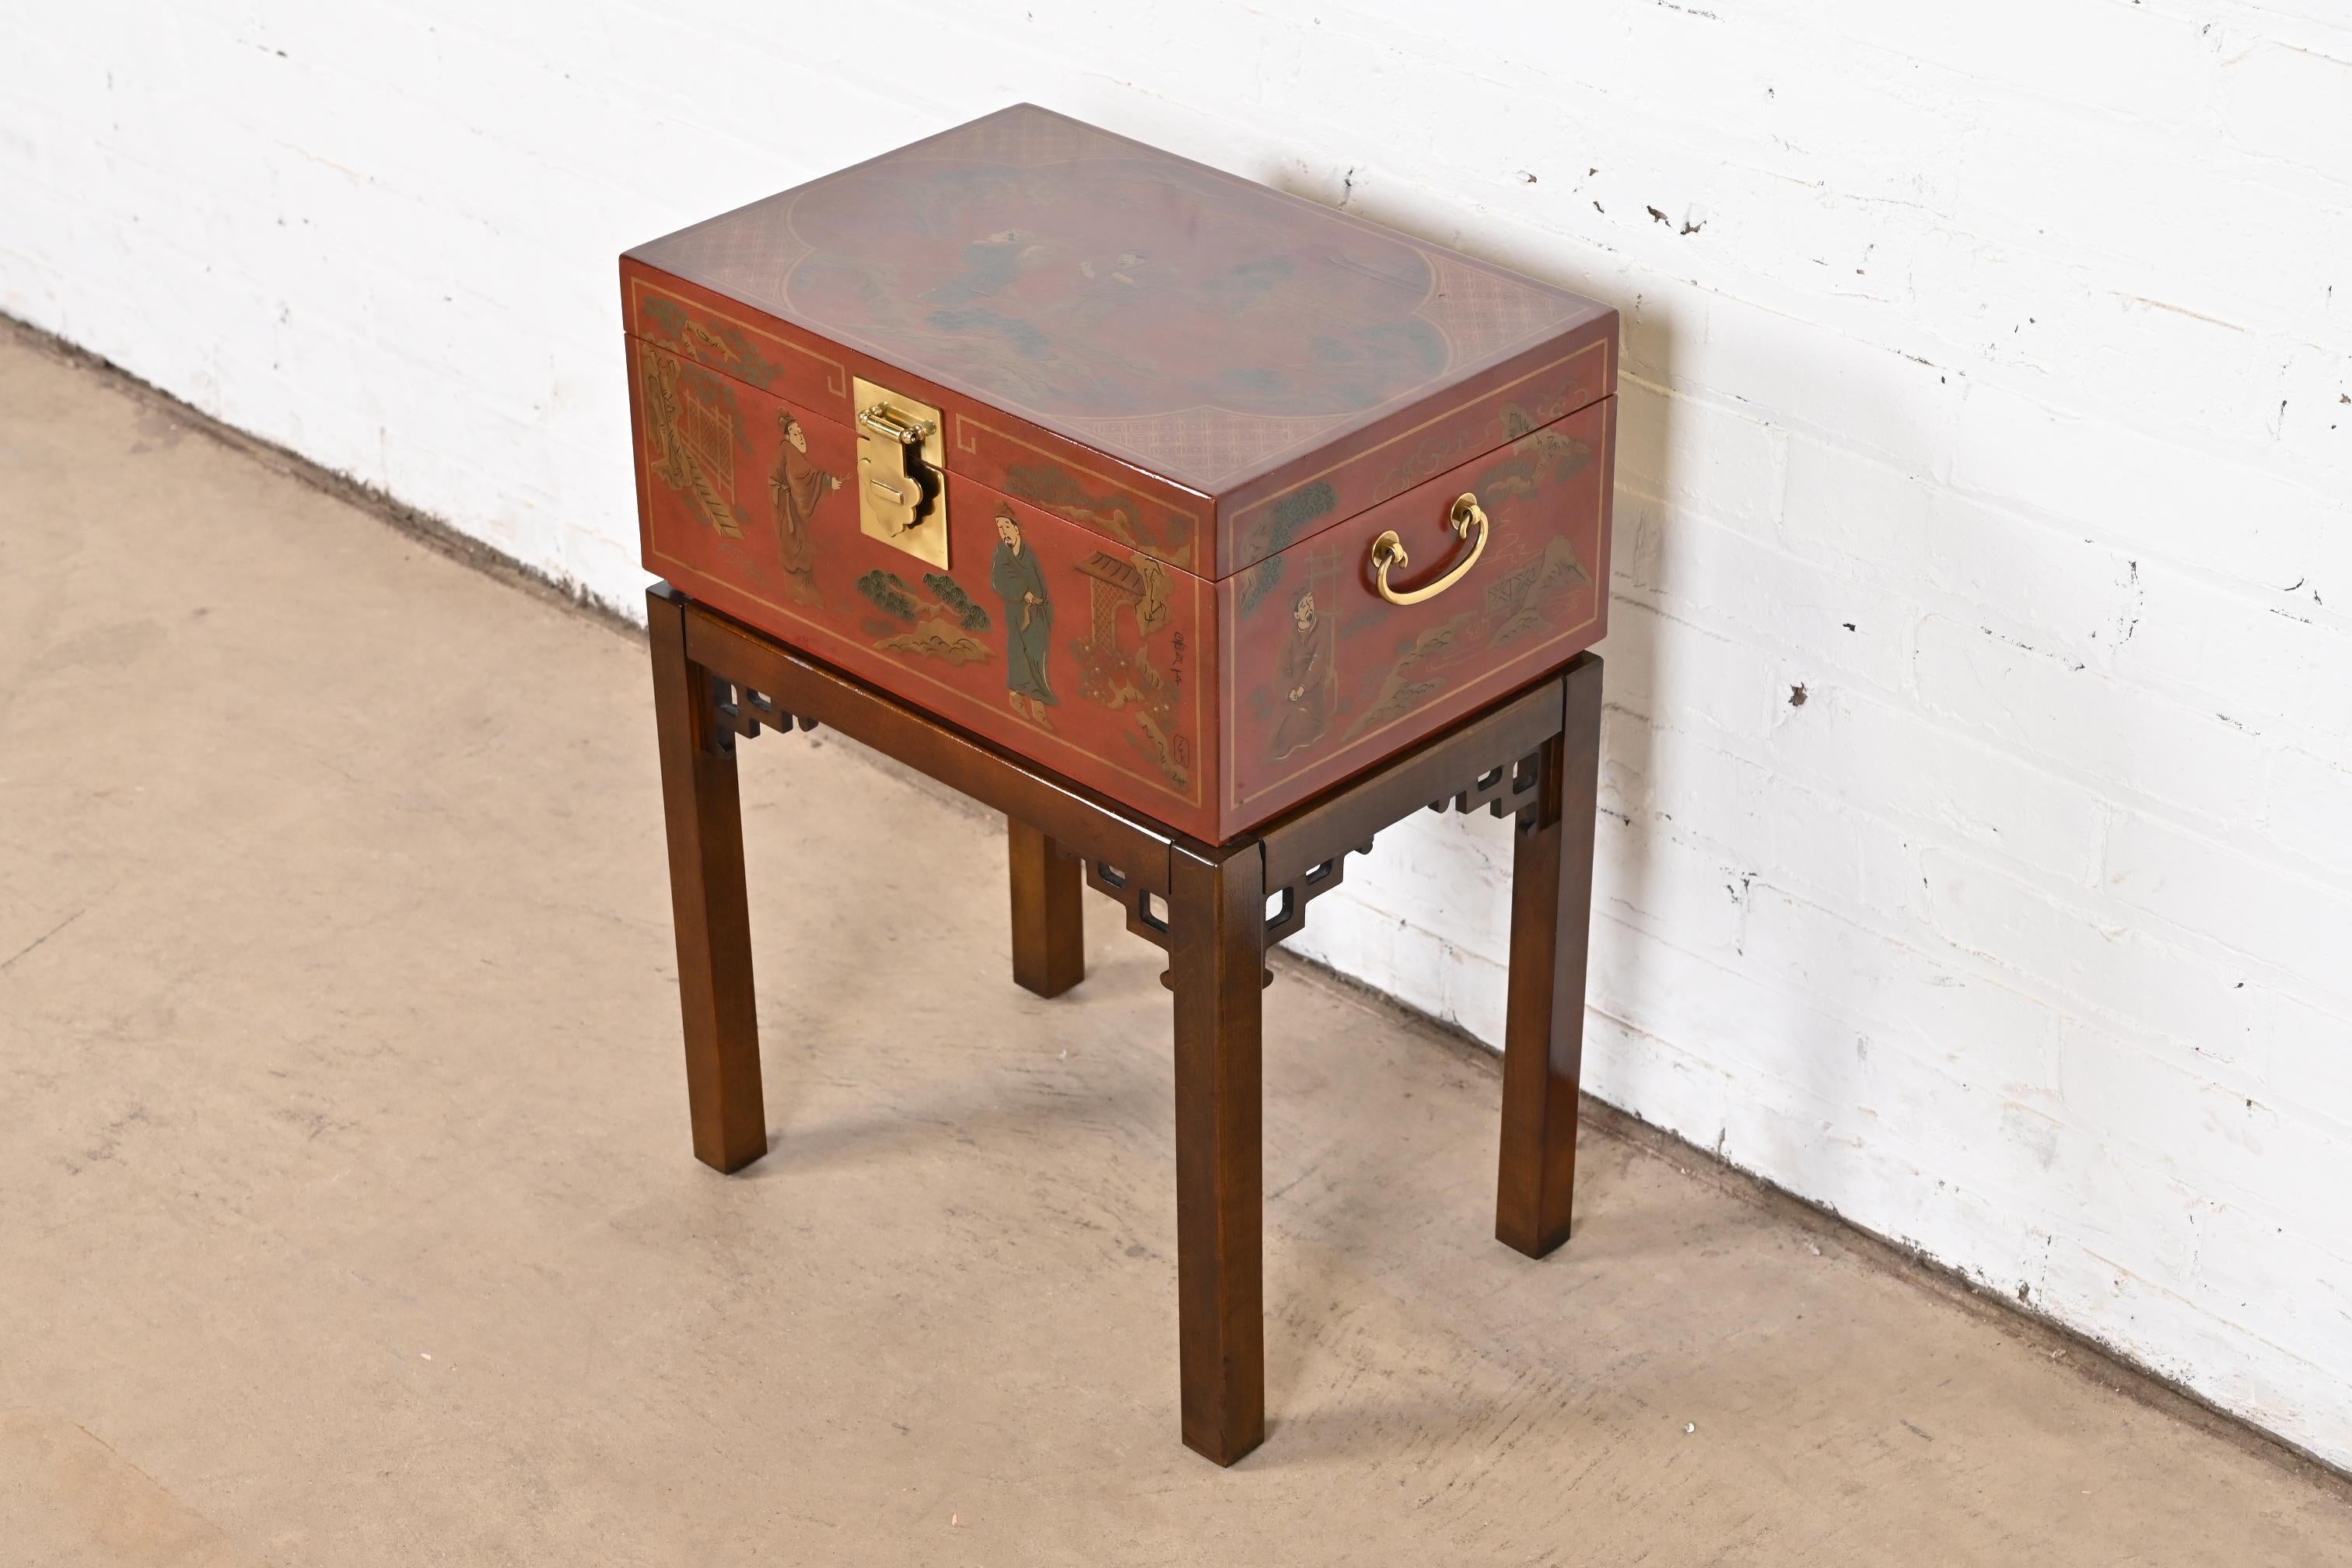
(1988,378)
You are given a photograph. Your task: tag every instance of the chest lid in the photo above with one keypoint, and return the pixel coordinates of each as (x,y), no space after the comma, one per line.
(1196,365)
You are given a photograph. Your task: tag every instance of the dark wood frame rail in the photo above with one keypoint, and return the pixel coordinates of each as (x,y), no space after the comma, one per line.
(1533,756)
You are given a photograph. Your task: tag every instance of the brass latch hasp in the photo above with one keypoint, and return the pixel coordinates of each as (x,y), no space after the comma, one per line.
(902,492)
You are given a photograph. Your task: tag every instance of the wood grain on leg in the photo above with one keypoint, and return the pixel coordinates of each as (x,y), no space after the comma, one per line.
(1049,935)
(1543,1031)
(708,903)
(1217,915)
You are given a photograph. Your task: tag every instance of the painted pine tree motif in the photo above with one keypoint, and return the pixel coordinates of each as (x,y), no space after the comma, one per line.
(941,617)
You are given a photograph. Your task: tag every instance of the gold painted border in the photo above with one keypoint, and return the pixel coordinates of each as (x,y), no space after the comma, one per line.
(1257,506)
(1200,583)
(639,287)
(1225,528)
(644,503)
(963,419)
(1599,603)
(912,152)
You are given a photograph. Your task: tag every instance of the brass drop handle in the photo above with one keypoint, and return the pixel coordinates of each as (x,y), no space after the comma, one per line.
(1388,550)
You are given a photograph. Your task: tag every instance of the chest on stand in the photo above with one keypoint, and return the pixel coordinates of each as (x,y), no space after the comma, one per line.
(1141,471)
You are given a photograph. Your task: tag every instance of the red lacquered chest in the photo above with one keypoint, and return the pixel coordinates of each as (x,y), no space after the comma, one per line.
(1202,494)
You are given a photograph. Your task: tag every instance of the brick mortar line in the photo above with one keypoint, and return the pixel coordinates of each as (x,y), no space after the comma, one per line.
(2034,1330)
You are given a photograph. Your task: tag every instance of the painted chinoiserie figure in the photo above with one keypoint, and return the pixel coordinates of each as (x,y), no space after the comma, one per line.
(1326,506)
(1020,581)
(1310,685)
(794,486)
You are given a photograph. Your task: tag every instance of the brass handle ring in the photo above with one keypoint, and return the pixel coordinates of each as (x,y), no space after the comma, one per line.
(1388,550)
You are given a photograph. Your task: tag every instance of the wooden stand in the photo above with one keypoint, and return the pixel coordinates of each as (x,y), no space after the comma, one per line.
(1533,756)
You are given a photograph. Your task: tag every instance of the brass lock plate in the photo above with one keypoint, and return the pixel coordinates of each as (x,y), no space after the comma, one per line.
(902,471)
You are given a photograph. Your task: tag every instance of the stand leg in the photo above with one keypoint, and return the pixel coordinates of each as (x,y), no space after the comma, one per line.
(1049,934)
(1543,1031)
(1218,915)
(705,818)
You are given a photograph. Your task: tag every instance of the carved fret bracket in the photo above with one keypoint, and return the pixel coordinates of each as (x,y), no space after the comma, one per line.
(1146,911)
(1505,789)
(742,710)
(1288,917)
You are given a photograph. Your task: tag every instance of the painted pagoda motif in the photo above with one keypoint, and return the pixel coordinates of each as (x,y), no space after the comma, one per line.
(1127,606)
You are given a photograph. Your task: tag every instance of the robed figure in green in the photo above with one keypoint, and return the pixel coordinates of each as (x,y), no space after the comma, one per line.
(1020,581)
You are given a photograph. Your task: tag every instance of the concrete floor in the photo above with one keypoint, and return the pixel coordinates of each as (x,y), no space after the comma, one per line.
(350,1217)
